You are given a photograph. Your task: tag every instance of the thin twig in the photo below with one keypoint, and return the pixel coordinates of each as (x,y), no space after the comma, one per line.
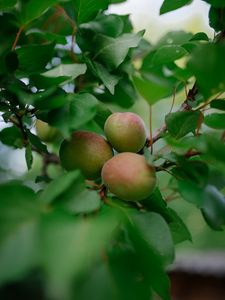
(18,36)
(150,130)
(74,30)
(199,124)
(173,100)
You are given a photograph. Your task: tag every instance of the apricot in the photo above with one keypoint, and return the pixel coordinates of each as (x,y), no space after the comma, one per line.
(46,132)
(86,151)
(125,131)
(129,177)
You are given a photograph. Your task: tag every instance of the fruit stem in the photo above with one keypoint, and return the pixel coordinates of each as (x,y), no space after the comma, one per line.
(18,36)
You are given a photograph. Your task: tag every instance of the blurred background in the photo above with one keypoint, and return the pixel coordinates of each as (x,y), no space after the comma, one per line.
(206,254)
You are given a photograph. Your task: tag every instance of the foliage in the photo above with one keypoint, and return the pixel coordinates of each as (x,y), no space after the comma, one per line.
(64,62)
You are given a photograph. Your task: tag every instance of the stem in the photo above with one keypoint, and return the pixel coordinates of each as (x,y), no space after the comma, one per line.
(51,19)
(159,133)
(102,193)
(74,29)
(150,131)
(173,100)
(18,36)
(199,125)
(17,121)
(207,102)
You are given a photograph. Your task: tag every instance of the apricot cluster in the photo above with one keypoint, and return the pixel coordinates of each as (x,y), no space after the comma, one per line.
(124,172)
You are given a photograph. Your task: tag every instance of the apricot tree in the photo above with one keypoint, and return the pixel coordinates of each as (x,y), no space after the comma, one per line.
(87,224)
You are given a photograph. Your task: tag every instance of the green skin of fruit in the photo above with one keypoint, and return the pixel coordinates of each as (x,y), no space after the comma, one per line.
(86,151)
(45,132)
(129,177)
(126,132)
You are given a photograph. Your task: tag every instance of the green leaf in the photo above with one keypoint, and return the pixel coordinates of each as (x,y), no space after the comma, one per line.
(102,114)
(11,136)
(79,109)
(155,231)
(78,241)
(109,80)
(177,37)
(81,201)
(151,263)
(191,192)
(86,10)
(47,100)
(218,104)
(59,186)
(19,212)
(181,74)
(97,284)
(213,208)
(152,88)
(69,192)
(7,4)
(216,3)
(216,121)
(28,156)
(178,229)
(110,25)
(200,36)
(124,266)
(195,170)
(181,123)
(167,54)
(36,142)
(34,9)
(217,18)
(34,58)
(49,36)
(125,94)
(42,82)
(156,203)
(213,149)
(209,145)
(170,5)
(66,70)
(148,156)
(113,51)
(208,65)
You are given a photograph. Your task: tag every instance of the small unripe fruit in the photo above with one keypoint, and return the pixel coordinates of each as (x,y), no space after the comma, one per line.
(45,132)
(129,177)
(126,132)
(86,151)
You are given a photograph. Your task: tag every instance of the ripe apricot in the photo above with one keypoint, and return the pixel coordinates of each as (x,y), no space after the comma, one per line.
(86,151)
(129,177)
(125,131)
